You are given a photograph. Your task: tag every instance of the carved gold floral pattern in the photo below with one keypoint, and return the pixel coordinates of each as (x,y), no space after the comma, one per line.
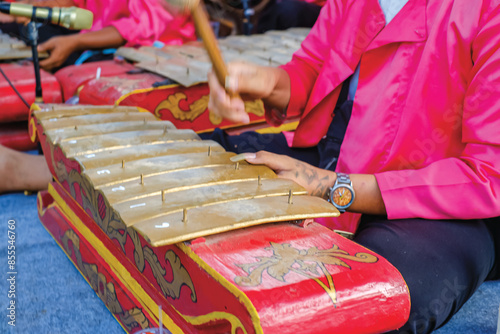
(172,104)
(199,106)
(255,107)
(304,262)
(115,229)
(105,290)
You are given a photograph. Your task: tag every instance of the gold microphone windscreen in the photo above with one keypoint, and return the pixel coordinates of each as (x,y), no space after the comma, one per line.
(73,18)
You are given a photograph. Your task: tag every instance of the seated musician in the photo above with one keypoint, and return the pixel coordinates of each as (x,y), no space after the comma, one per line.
(415,131)
(116,23)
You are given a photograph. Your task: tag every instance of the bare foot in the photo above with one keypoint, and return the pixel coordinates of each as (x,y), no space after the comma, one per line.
(21,171)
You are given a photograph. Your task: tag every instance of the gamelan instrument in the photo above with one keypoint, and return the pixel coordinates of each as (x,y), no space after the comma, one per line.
(14,115)
(171,82)
(153,216)
(189,64)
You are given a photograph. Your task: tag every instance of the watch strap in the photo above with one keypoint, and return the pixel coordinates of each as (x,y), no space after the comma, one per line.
(343,178)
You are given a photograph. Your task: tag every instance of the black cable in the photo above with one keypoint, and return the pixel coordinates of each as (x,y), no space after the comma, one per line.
(14,88)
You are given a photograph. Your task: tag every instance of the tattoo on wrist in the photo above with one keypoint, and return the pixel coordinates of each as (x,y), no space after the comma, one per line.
(322,187)
(320,184)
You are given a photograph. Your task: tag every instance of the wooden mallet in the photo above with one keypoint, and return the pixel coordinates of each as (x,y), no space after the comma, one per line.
(205,32)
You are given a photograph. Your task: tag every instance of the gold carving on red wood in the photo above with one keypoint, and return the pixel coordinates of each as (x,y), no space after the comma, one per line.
(214,119)
(180,274)
(172,103)
(132,318)
(108,220)
(304,262)
(255,107)
(198,107)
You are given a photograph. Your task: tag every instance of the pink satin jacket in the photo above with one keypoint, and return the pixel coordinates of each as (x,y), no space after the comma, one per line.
(426,116)
(140,22)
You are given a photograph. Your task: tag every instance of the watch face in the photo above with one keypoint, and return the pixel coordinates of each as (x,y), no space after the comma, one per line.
(342,196)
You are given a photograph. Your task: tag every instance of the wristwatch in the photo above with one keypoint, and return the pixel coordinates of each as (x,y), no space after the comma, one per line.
(342,193)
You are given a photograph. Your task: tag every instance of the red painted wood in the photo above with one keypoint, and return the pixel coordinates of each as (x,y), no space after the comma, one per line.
(210,295)
(72,77)
(108,89)
(16,136)
(119,300)
(371,297)
(155,101)
(22,76)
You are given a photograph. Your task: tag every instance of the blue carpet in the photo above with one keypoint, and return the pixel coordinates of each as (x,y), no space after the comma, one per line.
(52,297)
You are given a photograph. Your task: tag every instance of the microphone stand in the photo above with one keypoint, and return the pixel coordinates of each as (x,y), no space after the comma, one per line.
(32,35)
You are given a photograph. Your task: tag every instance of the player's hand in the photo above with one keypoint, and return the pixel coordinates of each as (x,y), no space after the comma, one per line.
(6,18)
(60,48)
(315,180)
(248,81)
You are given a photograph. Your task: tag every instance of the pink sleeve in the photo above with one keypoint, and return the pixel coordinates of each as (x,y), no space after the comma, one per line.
(149,21)
(303,69)
(468,186)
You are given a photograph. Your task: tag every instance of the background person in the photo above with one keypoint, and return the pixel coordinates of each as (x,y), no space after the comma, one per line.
(116,23)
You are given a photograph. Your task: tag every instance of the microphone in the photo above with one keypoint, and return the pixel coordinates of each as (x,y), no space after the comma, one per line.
(68,17)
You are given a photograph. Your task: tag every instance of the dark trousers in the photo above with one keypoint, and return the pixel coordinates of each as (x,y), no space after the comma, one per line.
(442,261)
(284,14)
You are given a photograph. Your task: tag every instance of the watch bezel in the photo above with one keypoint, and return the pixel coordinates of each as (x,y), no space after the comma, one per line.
(342,208)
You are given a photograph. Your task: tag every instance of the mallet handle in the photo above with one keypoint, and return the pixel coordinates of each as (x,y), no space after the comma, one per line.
(206,33)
